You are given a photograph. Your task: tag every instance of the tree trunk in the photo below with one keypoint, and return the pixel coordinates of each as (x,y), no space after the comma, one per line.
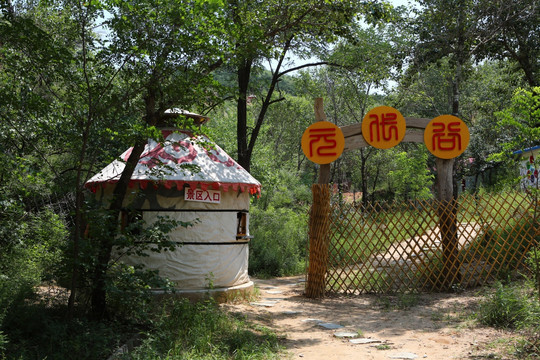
(79,224)
(99,294)
(363,173)
(244,155)
(245,145)
(447,213)
(447,194)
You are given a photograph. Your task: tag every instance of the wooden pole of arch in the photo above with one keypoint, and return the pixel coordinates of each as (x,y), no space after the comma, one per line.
(319,225)
(448,227)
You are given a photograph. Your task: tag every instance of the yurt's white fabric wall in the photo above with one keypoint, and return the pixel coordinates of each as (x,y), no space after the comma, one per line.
(193,267)
(208,252)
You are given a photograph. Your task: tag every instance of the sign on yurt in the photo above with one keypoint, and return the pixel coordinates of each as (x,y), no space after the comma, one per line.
(213,194)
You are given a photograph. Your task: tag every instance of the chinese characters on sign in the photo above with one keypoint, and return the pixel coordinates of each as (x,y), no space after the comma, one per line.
(446,136)
(323,142)
(208,196)
(383,127)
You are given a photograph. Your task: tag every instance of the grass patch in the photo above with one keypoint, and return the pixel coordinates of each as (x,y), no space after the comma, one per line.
(509,307)
(514,306)
(359,233)
(528,347)
(174,329)
(36,331)
(202,331)
(505,247)
(403,301)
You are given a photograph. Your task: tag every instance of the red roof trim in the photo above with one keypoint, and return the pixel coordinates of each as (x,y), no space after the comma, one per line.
(168,184)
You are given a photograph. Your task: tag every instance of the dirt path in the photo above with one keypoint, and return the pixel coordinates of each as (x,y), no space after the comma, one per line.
(428,326)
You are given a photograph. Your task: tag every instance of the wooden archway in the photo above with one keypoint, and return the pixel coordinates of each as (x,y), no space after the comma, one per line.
(320,213)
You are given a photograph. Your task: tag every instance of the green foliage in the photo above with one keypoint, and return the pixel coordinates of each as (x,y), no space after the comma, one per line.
(31,251)
(508,306)
(367,60)
(533,263)
(278,219)
(201,331)
(129,290)
(173,328)
(521,20)
(3,344)
(518,124)
(411,178)
(128,287)
(279,244)
(38,331)
(529,346)
(504,246)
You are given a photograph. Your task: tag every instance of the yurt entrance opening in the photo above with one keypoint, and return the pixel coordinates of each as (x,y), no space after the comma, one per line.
(211,254)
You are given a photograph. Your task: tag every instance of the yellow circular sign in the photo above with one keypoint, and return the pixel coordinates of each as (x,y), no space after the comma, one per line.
(323,142)
(383,127)
(446,136)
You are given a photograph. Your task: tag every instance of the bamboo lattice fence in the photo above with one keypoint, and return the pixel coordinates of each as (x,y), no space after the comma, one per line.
(398,246)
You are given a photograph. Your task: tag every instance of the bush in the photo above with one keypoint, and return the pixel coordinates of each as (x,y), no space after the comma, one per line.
(3,345)
(533,262)
(279,244)
(202,331)
(30,252)
(129,290)
(509,306)
(39,331)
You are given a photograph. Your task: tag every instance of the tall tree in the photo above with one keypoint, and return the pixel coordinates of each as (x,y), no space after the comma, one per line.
(274,30)
(48,39)
(166,50)
(119,81)
(447,29)
(510,30)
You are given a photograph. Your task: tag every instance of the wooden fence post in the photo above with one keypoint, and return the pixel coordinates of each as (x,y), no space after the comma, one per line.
(447,212)
(319,225)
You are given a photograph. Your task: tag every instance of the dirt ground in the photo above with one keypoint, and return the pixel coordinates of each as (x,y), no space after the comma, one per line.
(427,326)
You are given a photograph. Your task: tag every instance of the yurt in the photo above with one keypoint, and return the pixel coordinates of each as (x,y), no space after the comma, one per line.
(212,193)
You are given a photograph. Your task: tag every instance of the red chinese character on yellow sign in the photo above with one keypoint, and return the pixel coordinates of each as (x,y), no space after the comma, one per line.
(446,136)
(323,142)
(383,127)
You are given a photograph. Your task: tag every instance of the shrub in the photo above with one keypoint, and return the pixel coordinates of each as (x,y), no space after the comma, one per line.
(129,290)
(39,331)
(279,243)
(3,344)
(202,331)
(508,307)
(30,251)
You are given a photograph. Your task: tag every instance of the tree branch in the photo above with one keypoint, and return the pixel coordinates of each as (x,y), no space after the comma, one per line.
(276,100)
(296,68)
